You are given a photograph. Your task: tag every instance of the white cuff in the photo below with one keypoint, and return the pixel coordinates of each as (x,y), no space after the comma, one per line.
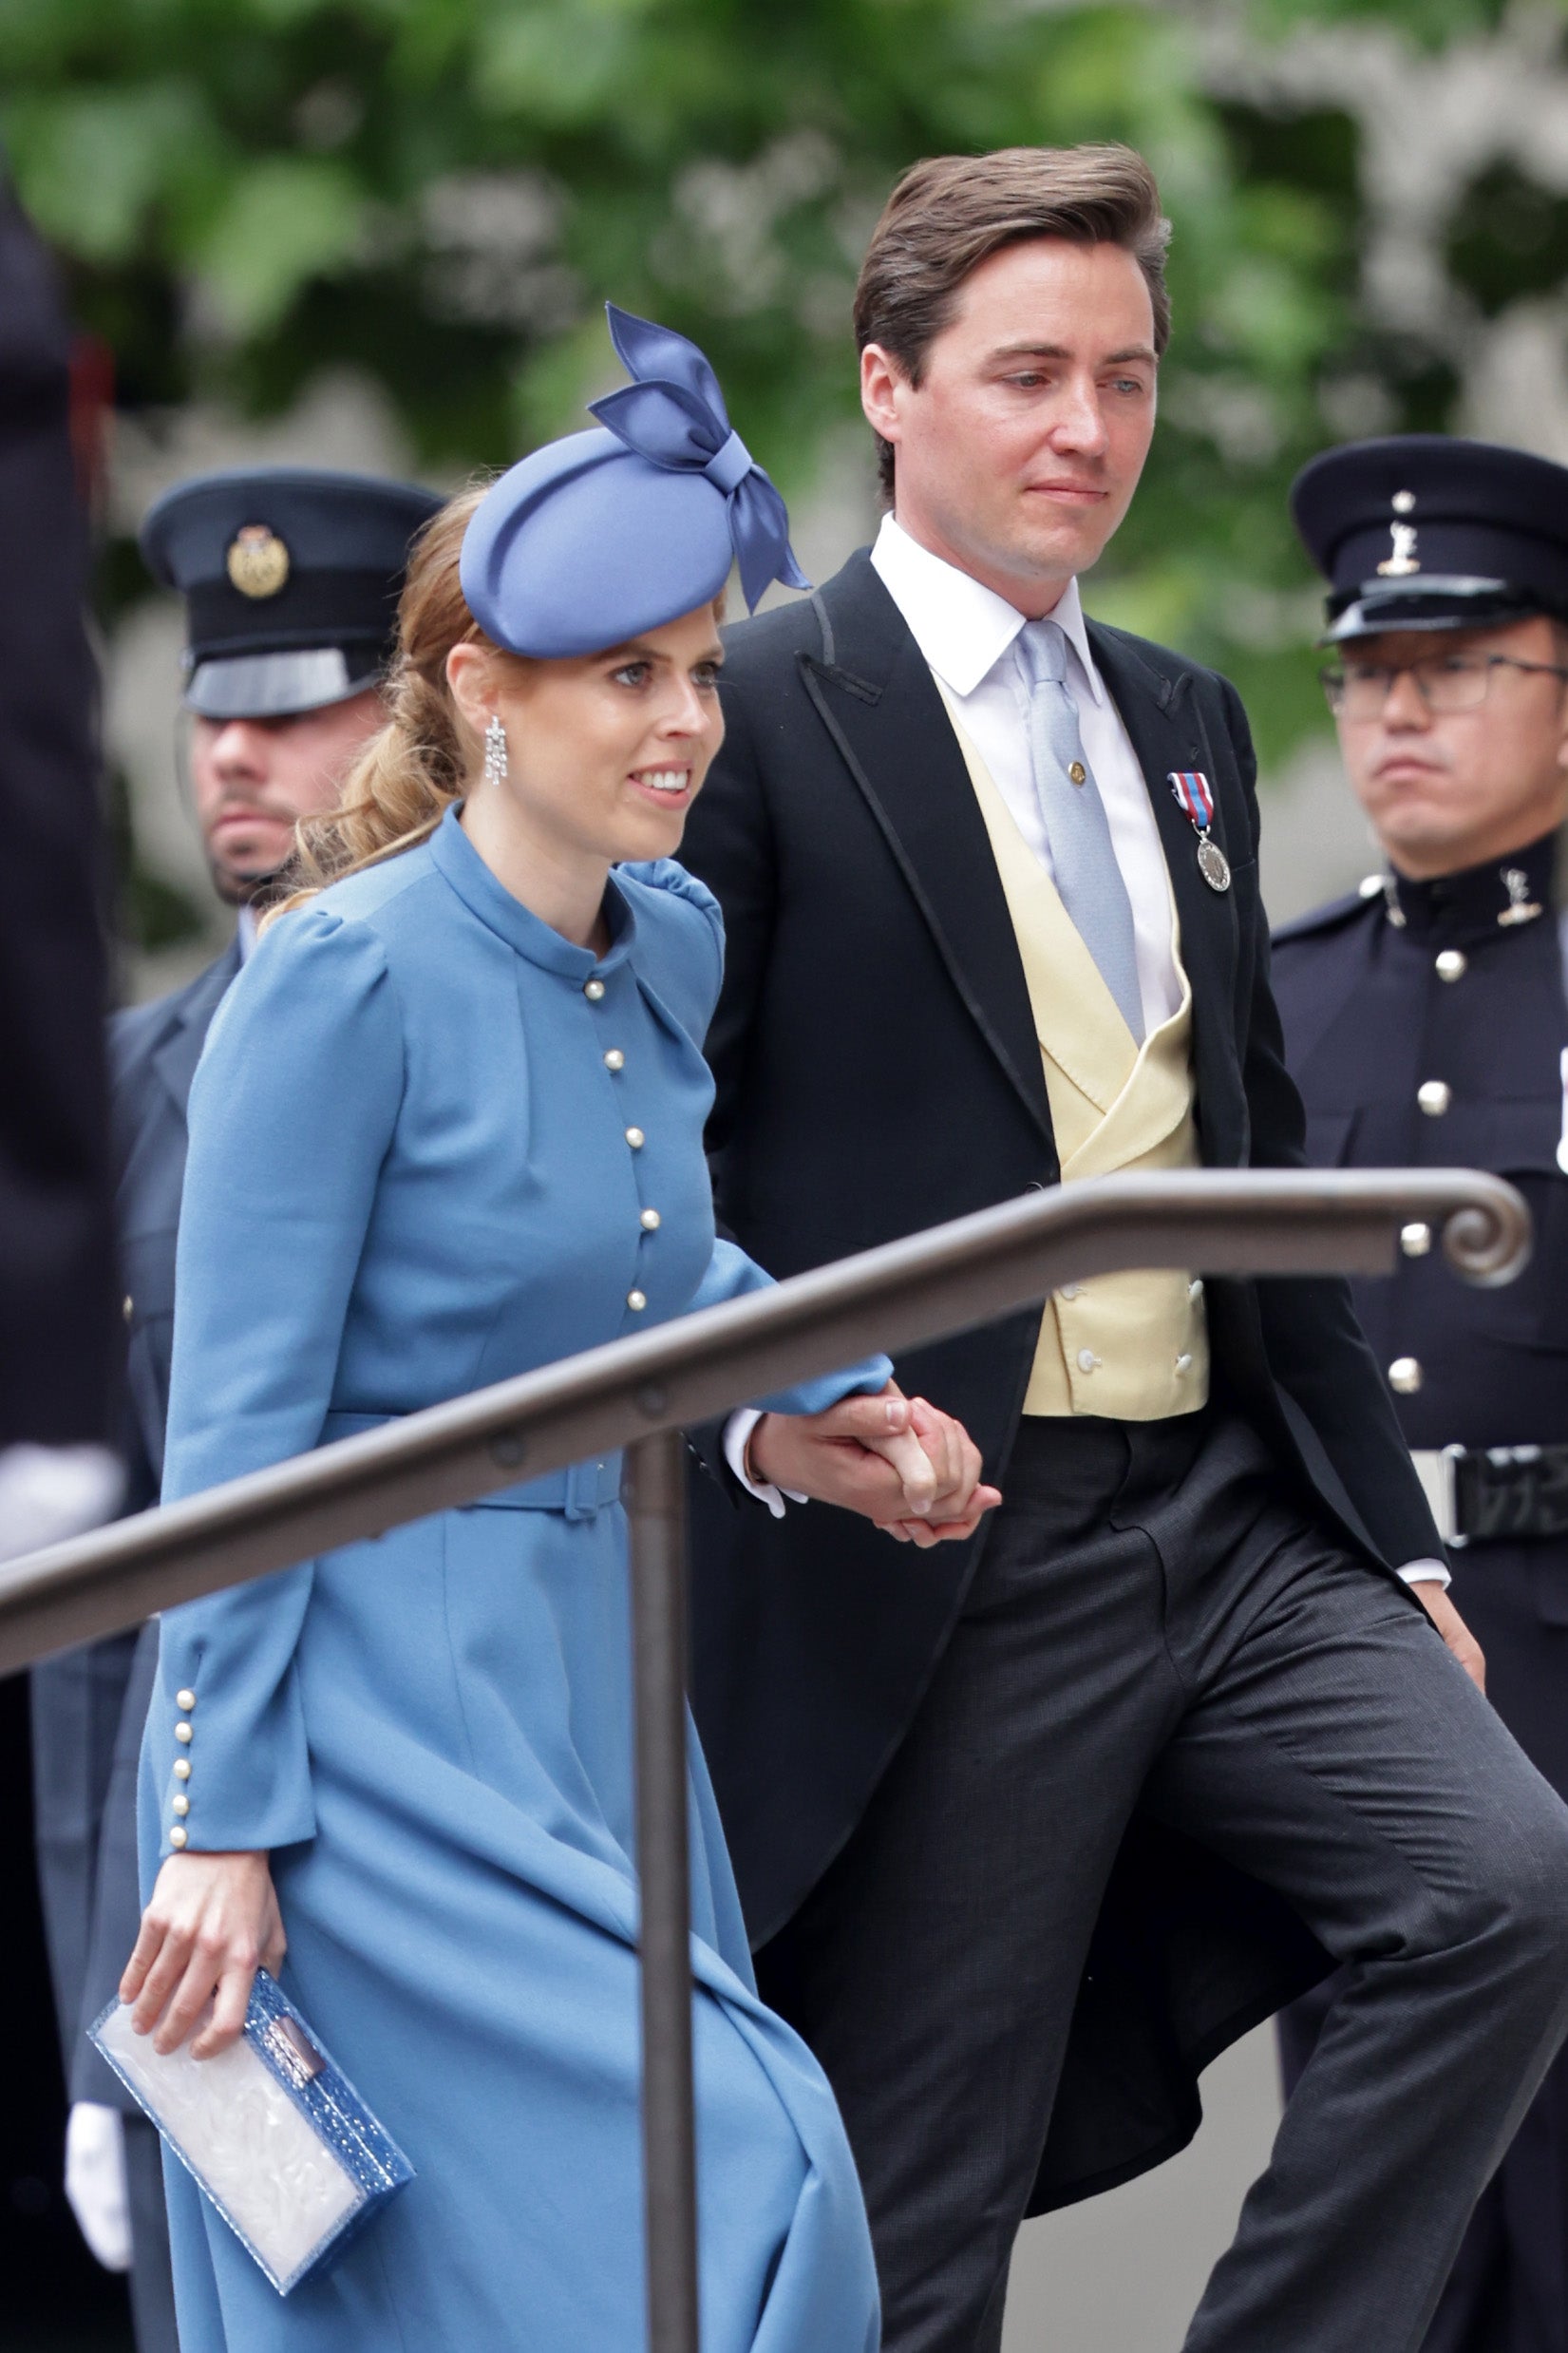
(737,1433)
(95,2181)
(50,1493)
(1426,1573)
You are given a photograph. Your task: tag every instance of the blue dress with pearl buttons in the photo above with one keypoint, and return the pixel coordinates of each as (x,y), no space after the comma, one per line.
(433,1143)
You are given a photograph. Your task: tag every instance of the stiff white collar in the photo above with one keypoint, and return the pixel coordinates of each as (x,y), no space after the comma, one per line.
(961,627)
(247,930)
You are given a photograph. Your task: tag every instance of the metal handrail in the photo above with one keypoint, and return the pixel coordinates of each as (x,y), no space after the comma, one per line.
(639,1393)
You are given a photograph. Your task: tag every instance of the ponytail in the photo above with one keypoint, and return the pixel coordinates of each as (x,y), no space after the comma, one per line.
(411,772)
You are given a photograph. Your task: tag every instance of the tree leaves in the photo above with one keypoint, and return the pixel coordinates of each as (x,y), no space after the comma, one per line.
(443,192)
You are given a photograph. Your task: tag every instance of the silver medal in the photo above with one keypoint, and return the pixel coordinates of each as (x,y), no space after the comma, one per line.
(1212,864)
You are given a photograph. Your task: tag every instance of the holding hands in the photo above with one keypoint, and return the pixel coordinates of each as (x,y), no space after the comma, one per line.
(898,1461)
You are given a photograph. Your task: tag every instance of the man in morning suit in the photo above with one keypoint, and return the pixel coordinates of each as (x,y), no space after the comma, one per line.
(1425,1020)
(290,580)
(1028,1828)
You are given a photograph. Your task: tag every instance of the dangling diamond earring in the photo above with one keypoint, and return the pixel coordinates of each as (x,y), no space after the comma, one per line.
(495,751)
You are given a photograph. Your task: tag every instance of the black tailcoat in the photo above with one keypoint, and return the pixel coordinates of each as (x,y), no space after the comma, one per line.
(57,1339)
(878,1072)
(90,1704)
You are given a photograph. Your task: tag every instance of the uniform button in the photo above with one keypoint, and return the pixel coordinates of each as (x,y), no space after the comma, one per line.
(182,1803)
(182,1732)
(1405,1376)
(1434,1097)
(127,1307)
(1415,1241)
(1368,886)
(177,1836)
(185,1701)
(651,1221)
(637,1300)
(1087,1359)
(1184,1362)
(1070,1290)
(1077,771)
(615,1059)
(182,1768)
(1453,964)
(592,990)
(635,1138)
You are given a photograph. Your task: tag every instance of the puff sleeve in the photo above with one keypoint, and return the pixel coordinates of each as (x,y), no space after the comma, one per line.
(291,1112)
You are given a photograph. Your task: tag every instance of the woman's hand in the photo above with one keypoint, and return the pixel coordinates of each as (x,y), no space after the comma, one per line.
(898,1461)
(212,1921)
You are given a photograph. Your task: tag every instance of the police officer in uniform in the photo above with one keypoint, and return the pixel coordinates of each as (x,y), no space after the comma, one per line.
(290,580)
(1426,1022)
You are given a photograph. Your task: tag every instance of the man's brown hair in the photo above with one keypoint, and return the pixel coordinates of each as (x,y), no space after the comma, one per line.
(952,212)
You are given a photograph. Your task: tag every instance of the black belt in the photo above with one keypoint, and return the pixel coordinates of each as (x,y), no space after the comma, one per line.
(1483,1494)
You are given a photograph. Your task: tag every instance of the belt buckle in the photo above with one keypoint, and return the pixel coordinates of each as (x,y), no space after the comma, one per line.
(1438,1471)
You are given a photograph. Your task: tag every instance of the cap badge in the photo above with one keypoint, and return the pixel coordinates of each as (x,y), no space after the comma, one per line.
(1402,561)
(257,561)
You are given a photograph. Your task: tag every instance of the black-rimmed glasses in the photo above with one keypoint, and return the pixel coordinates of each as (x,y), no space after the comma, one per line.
(1443,681)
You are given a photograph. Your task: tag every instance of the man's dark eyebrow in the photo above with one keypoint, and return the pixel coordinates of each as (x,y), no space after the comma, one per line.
(1057,350)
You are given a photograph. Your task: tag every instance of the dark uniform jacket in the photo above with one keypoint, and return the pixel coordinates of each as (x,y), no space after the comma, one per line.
(878,1072)
(1423,1029)
(90,1705)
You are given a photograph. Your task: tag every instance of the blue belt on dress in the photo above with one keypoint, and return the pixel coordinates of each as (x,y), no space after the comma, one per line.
(580,1491)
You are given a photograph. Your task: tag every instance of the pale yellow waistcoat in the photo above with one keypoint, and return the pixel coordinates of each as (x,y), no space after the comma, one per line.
(1133,1347)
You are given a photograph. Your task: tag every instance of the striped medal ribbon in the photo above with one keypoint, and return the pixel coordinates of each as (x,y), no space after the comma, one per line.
(1195,798)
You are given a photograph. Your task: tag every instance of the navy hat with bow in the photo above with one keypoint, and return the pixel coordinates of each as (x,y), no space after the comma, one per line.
(596,539)
(1431,531)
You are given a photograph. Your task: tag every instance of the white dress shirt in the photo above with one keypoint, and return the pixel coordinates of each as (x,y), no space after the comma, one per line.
(966,632)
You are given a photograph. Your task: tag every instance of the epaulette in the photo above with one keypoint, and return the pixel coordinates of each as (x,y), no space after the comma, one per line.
(1367,894)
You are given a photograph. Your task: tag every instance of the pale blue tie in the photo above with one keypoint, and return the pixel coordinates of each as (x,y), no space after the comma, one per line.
(1088,877)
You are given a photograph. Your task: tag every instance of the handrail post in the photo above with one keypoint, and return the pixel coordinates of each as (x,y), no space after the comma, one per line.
(655,1504)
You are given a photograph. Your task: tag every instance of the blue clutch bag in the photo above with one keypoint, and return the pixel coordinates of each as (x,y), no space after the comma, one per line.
(271,2130)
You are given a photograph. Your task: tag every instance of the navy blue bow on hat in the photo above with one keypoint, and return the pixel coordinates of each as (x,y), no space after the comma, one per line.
(604,534)
(673,414)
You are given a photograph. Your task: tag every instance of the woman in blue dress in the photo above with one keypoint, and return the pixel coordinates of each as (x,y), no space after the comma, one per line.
(448,1126)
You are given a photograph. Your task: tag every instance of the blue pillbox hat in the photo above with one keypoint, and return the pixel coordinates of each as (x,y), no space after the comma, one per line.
(597,538)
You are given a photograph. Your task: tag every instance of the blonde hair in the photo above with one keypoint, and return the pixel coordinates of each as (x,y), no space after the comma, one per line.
(417,765)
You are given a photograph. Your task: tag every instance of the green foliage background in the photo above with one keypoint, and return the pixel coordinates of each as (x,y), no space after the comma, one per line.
(441,192)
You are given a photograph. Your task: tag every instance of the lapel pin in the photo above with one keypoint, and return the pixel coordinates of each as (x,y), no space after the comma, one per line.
(1195,798)
(1522,908)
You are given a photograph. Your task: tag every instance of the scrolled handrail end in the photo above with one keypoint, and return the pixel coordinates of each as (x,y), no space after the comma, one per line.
(1486,1240)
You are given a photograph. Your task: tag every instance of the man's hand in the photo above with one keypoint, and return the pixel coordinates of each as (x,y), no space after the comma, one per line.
(898,1461)
(212,1919)
(1434,1601)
